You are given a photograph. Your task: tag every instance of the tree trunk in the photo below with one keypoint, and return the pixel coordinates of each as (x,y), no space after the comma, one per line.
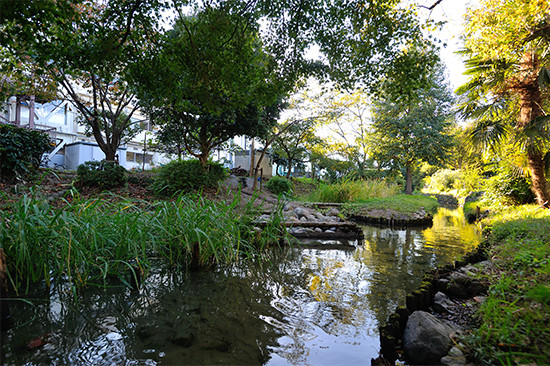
(110,154)
(203,159)
(288,168)
(252,173)
(538,178)
(530,108)
(408,189)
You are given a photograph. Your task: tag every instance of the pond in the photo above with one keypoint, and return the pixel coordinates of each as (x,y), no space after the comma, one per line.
(319,303)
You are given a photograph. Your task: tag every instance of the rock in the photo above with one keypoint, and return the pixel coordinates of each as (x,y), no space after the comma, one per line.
(441,284)
(455,357)
(333,212)
(290,214)
(301,212)
(303,219)
(318,230)
(426,339)
(441,303)
(462,285)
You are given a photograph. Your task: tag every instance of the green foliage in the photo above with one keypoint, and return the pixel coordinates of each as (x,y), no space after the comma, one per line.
(509,187)
(412,121)
(188,175)
(21,150)
(513,318)
(280,185)
(221,81)
(445,180)
(352,191)
(88,241)
(101,174)
(506,45)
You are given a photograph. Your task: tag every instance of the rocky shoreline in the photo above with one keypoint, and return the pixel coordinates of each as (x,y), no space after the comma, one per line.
(425,330)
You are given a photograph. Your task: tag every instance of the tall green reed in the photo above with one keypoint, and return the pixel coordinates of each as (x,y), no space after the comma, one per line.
(350,190)
(87,241)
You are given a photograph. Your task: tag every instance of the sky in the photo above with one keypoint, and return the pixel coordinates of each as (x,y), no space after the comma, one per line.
(451,11)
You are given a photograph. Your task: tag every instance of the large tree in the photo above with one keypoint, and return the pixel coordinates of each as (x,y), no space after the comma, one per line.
(411,114)
(290,147)
(211,77)
(87,47)
(507,44)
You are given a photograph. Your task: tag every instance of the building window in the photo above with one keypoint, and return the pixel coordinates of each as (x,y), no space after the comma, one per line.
(146,126)
(138,158)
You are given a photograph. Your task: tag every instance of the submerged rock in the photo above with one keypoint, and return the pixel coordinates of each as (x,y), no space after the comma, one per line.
(427,339)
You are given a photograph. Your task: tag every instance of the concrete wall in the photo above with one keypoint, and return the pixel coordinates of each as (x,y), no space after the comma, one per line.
(80,152)
(242,159)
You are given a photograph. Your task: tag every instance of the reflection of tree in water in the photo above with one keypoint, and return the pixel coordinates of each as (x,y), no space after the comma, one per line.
(399,258)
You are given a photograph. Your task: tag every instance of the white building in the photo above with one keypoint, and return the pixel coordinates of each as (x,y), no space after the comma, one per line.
(73,146)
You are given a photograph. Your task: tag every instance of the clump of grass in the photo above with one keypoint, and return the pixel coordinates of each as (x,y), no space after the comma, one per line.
(87,241)
(514,318)
(353,191)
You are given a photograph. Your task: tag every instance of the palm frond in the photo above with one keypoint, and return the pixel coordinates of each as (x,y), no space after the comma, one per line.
(487,134)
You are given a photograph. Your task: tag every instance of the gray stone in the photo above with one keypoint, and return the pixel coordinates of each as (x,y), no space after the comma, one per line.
(290,214)
(333,212)
(303,219)
(456,289)
(301,212)
(426,339)
(455,357)
(311,218)
(318,230)
(442,304)
(462,285)
(320,216)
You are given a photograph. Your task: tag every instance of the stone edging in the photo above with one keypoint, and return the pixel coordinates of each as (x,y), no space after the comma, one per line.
(391,333)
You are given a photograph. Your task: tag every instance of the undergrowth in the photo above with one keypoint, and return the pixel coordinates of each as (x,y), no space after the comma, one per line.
(515,317)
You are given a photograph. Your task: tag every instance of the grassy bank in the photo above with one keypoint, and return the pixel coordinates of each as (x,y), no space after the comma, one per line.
(400,203)
(88,240)
(515,316)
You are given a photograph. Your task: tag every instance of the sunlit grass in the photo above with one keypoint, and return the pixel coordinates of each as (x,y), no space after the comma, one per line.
(399,203)
(352,191)
(514,318)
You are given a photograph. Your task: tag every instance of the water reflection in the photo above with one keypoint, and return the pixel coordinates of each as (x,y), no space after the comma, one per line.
(302,305)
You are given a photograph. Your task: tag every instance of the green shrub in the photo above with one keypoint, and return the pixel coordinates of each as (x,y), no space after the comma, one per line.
(444,180)
(280,185)
(101,174)
(510,187)
(21,150)
(188,175)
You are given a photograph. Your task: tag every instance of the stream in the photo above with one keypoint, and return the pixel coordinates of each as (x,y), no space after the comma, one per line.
(318,303)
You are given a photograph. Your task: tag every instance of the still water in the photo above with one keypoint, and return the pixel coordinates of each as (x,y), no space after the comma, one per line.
(305,305)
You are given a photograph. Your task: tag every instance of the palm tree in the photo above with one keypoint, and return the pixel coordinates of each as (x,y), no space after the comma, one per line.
(507,44)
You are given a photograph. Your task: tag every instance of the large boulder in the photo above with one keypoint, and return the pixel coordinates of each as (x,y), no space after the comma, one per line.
(427,339)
